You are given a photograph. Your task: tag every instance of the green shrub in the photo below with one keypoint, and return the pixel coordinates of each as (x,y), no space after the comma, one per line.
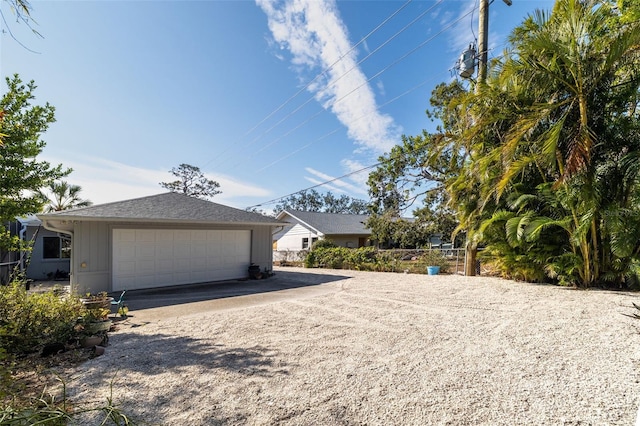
(310,260)
(362,259)
(324,243)
(31,320)
(372,259)
(333,258)
(326,257)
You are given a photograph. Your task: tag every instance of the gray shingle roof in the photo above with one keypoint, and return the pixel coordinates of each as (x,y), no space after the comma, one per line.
(331,223)
(168,207)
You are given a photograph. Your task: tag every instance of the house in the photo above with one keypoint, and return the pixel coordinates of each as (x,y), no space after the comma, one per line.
(50,250)
(48,257)
(161,240)
(305,228)
(9,260)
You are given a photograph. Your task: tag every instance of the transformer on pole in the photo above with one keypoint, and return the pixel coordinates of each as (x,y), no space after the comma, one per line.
(467,62)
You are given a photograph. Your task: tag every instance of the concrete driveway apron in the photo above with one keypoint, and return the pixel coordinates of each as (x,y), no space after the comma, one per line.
(171,302)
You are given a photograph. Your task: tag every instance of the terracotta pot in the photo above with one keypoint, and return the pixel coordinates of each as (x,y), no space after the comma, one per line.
(90,341)
(95,327)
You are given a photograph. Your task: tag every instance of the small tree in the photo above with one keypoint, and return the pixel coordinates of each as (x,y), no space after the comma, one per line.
(192,182)
(21,175)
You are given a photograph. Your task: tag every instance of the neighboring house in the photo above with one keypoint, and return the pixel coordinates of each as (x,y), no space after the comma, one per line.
(49,255)
(162,240)
(50,250)
(347,230)
(9,259)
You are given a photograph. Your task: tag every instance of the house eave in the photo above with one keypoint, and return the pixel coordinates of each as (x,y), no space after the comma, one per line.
(308,226)
(71,218)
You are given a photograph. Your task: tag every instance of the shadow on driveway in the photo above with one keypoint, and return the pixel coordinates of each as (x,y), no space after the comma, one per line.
(243,292)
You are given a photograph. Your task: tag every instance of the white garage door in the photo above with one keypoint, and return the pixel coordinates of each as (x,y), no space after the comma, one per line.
(145,258)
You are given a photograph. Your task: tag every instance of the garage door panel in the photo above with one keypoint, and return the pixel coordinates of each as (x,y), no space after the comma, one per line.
(198,235)
(182,235)
(198,250)
(182,250)
(164,252)
(165,266)
(163,235)
(125,268)
(146,249)
(147,258)
(199,264)
(142,281)
(125,234)
(148,235)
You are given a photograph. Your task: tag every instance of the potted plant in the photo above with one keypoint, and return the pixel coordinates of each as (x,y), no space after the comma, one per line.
(95,316)
(96,301)
(435,261)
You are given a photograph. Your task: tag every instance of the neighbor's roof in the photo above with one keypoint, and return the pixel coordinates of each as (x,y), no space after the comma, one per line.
(29,220)
(168,207)
(330,223)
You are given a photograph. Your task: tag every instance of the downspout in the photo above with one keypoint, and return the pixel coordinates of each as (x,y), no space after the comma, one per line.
(72,274)
(23,231)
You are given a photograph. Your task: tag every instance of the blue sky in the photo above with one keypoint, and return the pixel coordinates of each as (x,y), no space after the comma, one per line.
(266,97)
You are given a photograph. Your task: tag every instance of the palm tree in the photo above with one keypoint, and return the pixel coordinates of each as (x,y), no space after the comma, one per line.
(63,196)
(566,93)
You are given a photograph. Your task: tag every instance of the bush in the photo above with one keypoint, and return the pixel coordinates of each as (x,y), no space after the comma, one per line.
(371,259)
(32,320)
(325,243)
(333,258)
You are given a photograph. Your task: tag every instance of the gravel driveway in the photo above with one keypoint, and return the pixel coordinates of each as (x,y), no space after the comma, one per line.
(357,348)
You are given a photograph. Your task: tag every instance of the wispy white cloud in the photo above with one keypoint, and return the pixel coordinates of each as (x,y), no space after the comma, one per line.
(313,32)
(104,181)
(325,186)
(360,179)
(465,31)
(341,184)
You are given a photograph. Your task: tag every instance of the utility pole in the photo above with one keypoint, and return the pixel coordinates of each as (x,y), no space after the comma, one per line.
(471,248)
(483,34)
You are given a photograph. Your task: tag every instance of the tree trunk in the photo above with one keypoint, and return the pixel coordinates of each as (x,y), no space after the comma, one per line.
(471,252)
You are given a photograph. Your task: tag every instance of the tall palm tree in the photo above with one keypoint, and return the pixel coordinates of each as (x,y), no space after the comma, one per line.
(569,61)
(568,88)
(61,196)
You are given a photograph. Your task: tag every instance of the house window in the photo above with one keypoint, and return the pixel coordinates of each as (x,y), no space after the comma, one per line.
(305,243)
(56,248)
(313,241)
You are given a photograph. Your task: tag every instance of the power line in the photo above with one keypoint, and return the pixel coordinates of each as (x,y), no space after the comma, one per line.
(384,22)
(414,88)
(333,82)
(330,67)
(383,70)
(316,186)
(400,59)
